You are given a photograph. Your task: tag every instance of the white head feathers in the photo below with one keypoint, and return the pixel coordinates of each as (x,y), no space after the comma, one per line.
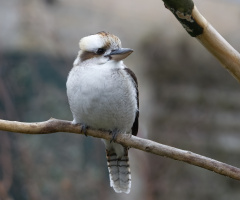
(99,40)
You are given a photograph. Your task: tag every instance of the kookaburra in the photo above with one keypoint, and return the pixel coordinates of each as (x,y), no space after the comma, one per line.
(103,94)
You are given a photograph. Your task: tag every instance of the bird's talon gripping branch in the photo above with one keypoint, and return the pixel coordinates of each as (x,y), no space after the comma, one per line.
(84,129)
(114,135)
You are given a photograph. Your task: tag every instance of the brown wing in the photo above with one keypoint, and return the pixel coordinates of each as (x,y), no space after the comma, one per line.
(134,79)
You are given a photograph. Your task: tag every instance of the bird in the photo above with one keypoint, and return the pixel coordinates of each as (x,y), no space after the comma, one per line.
(103,95)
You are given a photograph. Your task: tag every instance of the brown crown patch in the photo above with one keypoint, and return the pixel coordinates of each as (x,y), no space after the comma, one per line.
(110,39)
(103,33)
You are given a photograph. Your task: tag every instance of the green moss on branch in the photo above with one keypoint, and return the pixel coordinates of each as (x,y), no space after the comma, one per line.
(184,6)
(182,10)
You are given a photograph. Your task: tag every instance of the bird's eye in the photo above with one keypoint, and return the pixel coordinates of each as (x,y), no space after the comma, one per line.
(100,51)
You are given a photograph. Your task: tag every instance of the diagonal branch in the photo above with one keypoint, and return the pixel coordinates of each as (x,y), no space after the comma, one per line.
(197,26)
(55,125)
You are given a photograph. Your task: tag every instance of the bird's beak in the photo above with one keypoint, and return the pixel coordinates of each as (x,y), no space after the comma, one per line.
(120,54)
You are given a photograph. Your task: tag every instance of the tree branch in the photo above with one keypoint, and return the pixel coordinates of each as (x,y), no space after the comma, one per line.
(197,26)
(55,125)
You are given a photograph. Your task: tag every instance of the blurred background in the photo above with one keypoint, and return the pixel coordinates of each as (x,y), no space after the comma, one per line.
(187,100)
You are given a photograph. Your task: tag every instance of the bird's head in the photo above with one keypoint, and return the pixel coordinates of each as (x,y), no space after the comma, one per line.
(101,48)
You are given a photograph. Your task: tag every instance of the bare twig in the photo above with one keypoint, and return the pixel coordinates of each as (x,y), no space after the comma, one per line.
(55,125)
(218,46)
(197,26)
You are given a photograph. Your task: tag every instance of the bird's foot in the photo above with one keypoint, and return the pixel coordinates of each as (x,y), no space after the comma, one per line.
(114,133)
(84,127)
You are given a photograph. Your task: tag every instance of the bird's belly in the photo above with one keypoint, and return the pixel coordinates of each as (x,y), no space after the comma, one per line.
(108,114)
(104,103)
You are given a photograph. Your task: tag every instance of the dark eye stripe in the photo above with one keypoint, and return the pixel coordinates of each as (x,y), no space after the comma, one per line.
(87,55)
(100,51)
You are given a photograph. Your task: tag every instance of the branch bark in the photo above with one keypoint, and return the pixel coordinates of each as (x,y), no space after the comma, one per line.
(55,125)
(197,26)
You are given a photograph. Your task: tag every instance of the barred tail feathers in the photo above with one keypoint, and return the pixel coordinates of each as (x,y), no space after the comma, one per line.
(119,172)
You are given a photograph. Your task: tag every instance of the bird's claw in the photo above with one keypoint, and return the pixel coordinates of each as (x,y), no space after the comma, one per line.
(84,129)
(114,135)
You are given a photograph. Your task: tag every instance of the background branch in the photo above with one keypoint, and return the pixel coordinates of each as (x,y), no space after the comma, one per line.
(197,26)
(55,125)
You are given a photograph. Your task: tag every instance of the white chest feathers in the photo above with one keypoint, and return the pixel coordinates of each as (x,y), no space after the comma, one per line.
(102,96)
